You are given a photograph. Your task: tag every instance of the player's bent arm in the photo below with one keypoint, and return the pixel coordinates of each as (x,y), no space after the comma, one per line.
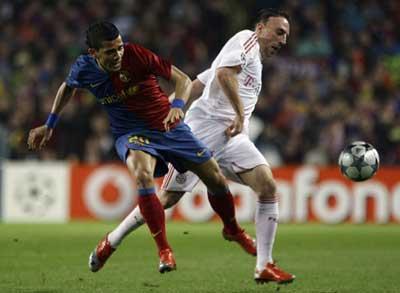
(183,84)
(195,93)
(64,94)
(227,78)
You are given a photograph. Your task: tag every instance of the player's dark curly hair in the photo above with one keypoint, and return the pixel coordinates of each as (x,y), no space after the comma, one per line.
(99,32)
(264,14)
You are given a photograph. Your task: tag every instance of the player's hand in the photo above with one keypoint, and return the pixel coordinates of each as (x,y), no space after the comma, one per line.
(236,126)
(39,136)
(174,115)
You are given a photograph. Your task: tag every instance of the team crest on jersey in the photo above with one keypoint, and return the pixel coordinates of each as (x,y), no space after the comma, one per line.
(181,178)
(124,76)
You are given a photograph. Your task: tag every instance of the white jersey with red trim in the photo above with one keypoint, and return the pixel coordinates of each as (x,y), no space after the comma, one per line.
(242,49)
(211,114)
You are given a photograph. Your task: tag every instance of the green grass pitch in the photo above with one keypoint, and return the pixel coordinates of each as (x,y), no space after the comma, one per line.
(53,258)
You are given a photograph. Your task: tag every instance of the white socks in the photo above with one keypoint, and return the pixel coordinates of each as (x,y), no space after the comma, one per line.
(133,221)
(266,224)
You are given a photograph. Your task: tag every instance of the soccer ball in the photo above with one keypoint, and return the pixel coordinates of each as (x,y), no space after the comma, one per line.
(359,161)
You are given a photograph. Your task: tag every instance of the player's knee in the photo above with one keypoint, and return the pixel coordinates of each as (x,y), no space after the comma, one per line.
(144,178)
(267,189)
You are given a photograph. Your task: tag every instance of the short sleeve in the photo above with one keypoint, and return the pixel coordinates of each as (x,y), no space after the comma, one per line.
(152,63)
(74,78)
(234,58)
(237,49)
(204,76)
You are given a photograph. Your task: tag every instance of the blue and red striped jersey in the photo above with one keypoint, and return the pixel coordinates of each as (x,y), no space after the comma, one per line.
(132,96)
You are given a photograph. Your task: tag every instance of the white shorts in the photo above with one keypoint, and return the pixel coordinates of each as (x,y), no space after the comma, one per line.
(234,155)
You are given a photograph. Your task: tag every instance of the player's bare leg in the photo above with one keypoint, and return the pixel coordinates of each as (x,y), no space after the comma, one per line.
(221,201)
(260,179)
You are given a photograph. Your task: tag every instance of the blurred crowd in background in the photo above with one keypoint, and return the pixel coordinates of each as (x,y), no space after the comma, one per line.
(337,80)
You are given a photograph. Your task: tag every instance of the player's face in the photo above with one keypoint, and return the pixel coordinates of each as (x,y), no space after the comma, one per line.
(272,35)
(110,54)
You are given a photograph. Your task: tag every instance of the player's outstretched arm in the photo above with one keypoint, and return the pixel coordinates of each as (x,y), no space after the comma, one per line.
(183,87)
(227,78)
(39,136)
(183,84)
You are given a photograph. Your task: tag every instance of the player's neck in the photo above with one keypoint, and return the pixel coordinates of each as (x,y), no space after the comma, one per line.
(100,66)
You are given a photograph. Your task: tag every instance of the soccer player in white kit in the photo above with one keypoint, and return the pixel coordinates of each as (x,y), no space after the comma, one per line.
(228,93)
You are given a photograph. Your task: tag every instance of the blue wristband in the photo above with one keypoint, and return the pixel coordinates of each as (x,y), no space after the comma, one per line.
(178,103)
(52,120)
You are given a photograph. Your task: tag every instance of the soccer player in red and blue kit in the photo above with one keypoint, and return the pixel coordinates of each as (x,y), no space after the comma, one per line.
(147,128)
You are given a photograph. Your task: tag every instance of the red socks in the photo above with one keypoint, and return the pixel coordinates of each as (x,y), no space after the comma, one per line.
(224,206)
(153,213)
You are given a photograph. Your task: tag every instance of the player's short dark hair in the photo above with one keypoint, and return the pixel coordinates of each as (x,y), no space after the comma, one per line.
(99,32)
(264,14)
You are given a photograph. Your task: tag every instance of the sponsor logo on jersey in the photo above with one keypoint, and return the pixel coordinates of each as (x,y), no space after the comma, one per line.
(111,99)
(249,80)
(130,91)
